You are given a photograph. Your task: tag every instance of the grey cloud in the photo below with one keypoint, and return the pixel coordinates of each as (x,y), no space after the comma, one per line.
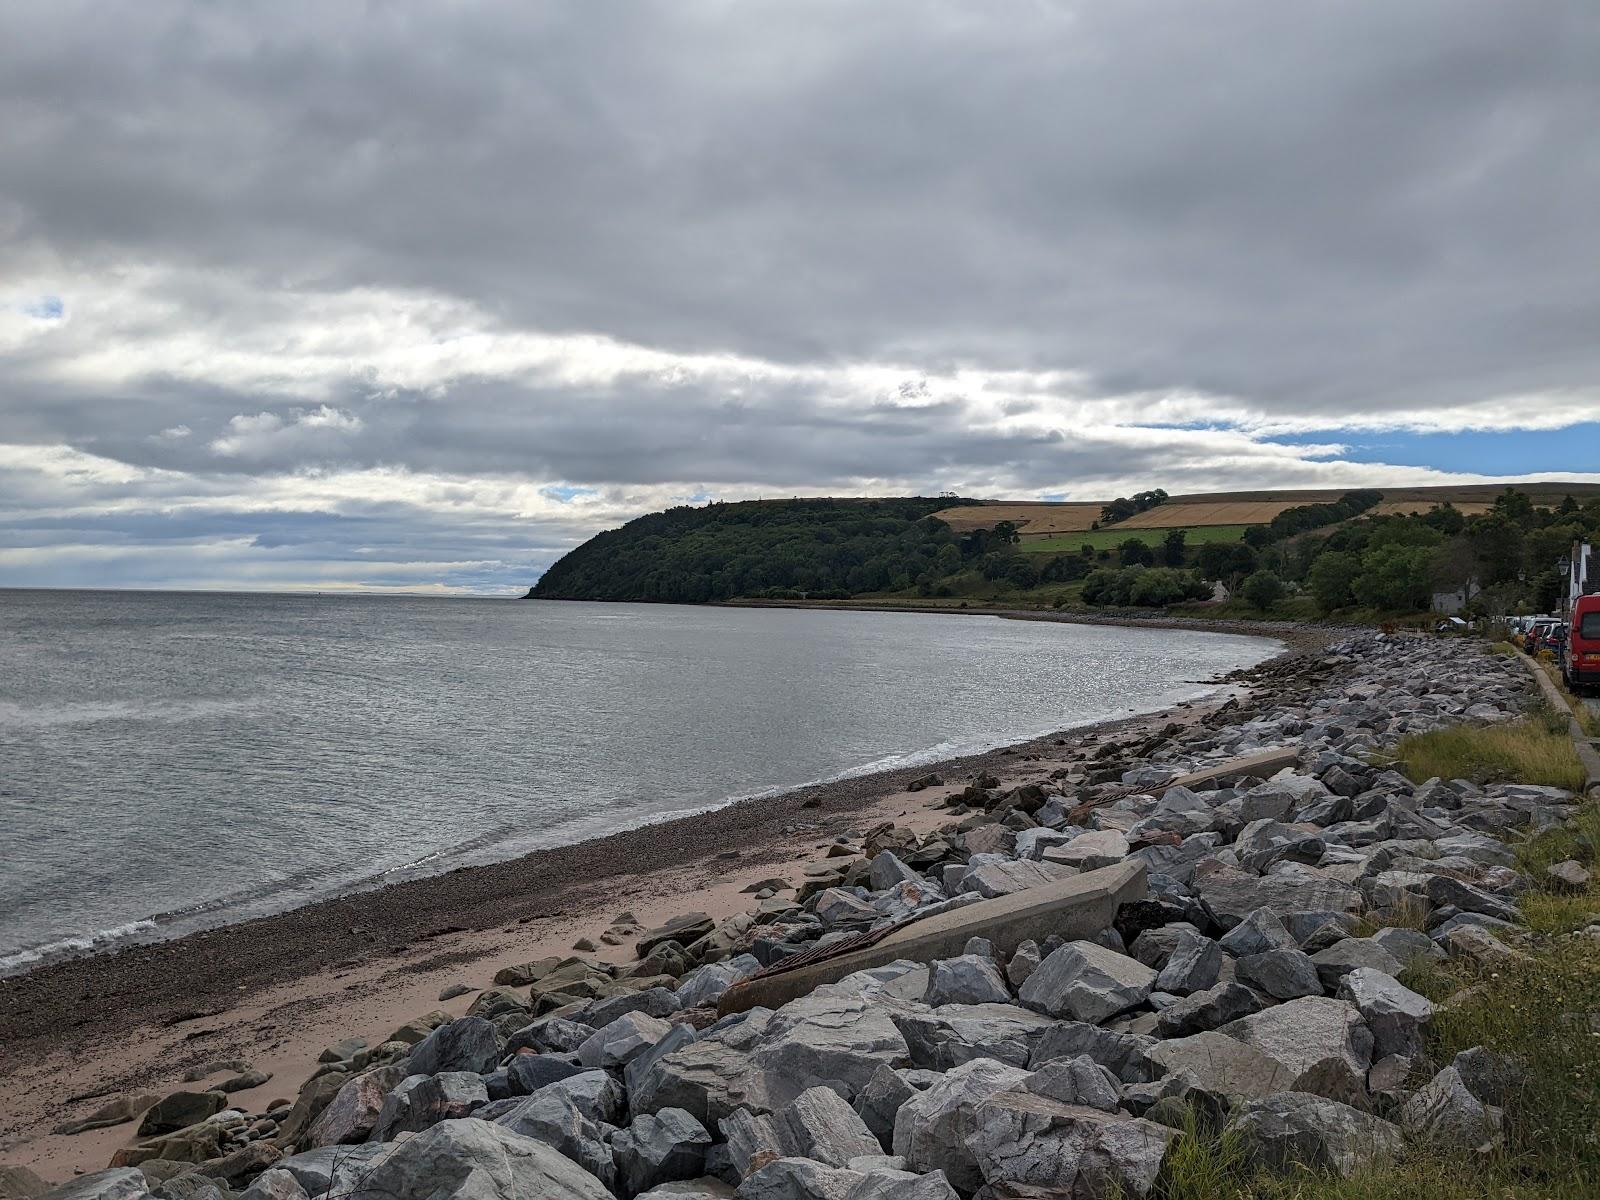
(1347,209)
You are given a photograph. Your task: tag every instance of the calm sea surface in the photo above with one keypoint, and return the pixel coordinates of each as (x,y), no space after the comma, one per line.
(169,761)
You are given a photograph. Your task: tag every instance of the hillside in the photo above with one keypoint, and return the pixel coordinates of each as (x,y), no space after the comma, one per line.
(716,552)
(1297,553)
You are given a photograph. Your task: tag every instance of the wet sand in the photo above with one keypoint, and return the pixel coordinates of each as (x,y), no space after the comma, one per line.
(278,989)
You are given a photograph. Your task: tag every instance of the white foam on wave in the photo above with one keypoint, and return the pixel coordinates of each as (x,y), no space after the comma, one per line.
(89,712)
(68,946)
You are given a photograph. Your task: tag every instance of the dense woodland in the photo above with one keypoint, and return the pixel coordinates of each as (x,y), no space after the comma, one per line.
(1327,557)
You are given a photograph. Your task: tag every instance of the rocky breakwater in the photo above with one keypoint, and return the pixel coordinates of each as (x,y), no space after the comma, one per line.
(1254,986)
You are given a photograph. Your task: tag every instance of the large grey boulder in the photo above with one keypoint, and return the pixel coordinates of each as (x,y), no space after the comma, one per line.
(554,1118)
(476,1160)
(1210,1009)
(1088,851)
(1395,1014)
(1194,965)
(1258,932)
(1022,1138)
(119,1183)
(419,1101)
(752,1140)
(705,1188)
(274,1184)
(966,979)
(1125,1055)
(1079,1081)
(353,1114)
(1445,1113)
(334,1170)
(1339,959)
(705,985)
(1087,982)
(1324,1043)
(823,1039)
(877,1103)
(465,1044)
(595,1094)
(798,1179)
(819,1124)
(931,1128)
(622,1040)
(890,1184)
(660,1147)
(1232,894)
(941,1038)
(1283,973)
(1296,1129)
(1002,878)
(1492,1078)
(887,870)
(527,1073)
(1408,945)
(1223,1065)
(709,1076)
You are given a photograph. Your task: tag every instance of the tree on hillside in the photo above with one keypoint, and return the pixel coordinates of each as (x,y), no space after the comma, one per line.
(1172,547)
(1262,590)
(1395,577)
(1331,578)
(1134,553)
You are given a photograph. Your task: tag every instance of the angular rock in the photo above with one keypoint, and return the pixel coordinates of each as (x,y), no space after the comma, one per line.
(1089,851)
(333,1170)
(660,1147)
(1023,1138)
(1210,1009)
(1194,965)
(1024,961)
(274,1184)
(681,929)
(931,1128)
(1080,1081)
(181,1110)
(353,1114)
(1232,894)
(1344,956)
(1445,1113)
(1492,1078)
(877,1103)
(465,1044)
(554,1119)
(421,1101)
(1395,1014)
(1283,974)
(1125,1055)
(1087,982)
(476,1160)
(968,979)
(817,1124)
(1408,945)
(826,1039)
(708,1077)
(1223,1065)
(1259,932)
(1294,1129)
(119,1183)
(798,1179)
(1323,1042)
(958,1033)
(622,1040)
(527,1073)
(1003,878)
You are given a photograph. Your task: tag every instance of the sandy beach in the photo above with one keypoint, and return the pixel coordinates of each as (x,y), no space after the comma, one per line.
(276,991)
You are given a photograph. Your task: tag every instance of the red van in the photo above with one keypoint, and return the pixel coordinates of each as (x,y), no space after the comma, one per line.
(1580,662)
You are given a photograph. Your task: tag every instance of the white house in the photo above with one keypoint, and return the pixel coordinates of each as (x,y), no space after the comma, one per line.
(1583,574)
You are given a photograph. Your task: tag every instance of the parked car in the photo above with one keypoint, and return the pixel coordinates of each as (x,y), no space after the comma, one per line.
(1580,658)
(1534,640)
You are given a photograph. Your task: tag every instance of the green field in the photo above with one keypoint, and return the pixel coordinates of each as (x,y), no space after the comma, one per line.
(1110,539)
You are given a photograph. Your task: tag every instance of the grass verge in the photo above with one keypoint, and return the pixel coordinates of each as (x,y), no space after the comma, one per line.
(1537,750)
(1542,1010)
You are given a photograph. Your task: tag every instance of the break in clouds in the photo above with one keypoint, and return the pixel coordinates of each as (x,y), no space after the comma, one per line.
(349,294)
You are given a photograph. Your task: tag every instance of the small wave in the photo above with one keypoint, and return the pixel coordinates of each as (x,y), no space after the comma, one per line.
(164,712)
(68,946)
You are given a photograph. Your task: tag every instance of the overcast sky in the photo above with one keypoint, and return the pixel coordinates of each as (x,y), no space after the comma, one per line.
(400,295)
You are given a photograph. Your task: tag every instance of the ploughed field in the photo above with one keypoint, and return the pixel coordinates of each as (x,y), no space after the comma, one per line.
(1222,509)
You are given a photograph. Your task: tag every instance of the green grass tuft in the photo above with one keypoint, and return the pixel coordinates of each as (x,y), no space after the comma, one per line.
(1527,751)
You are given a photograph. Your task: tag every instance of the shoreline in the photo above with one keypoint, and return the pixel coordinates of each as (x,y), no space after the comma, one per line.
(276,989)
